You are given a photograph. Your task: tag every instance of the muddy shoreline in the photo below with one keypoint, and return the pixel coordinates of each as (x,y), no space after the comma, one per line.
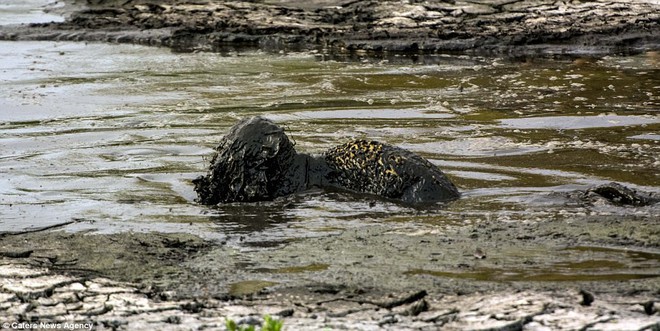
(513,28)
(345,279)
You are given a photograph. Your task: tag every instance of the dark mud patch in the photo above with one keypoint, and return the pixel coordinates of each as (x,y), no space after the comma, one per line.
(354,27)
(594,252)
(149,258)
(549,254)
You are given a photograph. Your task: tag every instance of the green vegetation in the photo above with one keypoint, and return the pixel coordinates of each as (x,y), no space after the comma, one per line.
(270,324)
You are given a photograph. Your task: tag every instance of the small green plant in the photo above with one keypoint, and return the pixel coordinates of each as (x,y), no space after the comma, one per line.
(270,324)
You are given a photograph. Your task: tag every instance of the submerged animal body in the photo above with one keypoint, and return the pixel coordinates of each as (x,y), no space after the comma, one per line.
(388,171)
(256,161)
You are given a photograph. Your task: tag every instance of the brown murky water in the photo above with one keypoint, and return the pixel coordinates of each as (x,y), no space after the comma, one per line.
(110,136)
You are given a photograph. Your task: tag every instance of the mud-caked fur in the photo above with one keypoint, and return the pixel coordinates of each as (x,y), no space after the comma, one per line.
(388,171)
(251,163)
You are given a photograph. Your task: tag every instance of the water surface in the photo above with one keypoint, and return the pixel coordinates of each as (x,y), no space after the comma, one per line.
(109,137)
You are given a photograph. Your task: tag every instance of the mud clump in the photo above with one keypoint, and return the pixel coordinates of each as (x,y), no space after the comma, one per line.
(613,194)
(618,194)
(256,161)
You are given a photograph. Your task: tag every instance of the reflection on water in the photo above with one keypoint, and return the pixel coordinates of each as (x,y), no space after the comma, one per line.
(115,133)
(578,122)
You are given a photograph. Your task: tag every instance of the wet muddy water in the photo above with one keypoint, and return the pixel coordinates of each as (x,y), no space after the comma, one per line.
(110,137)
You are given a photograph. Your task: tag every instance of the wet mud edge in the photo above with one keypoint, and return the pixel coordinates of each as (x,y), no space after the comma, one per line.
(362,27)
